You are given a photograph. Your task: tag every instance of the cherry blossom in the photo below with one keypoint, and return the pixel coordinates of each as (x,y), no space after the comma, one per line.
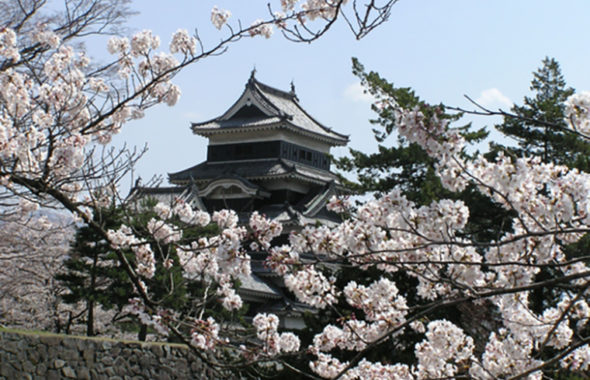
(143,42)
(259,28)
(577,111)
(219,17)
(274,343)
(321,8)
(45,36)
(311,287)
(8,47)
(288,5)
(182,42)
(52,113)
(264,230)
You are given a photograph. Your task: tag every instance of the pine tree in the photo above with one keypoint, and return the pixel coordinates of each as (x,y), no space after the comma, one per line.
(93,274)
(407,166)
(539,128)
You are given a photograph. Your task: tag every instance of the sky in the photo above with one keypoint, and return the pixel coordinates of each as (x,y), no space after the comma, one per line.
(443,49)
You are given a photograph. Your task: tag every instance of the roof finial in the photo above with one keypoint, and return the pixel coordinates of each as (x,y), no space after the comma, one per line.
(252,79)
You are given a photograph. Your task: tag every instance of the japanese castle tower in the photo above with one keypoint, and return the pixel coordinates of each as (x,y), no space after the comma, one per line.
(265,154)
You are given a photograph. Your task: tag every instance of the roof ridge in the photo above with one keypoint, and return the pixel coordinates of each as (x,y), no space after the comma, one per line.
(274,103)
(263,86)
(277,111)
(295,99)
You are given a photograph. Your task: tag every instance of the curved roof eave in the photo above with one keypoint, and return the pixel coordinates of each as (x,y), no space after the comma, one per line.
(293,98)
(206,132)
(298,176)
(257,91)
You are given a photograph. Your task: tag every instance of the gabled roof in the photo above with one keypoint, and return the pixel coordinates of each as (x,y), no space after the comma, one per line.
(167,195)
(316,204)
(253,288)
(288,215)
(271,168)
(262,107)
(243,184)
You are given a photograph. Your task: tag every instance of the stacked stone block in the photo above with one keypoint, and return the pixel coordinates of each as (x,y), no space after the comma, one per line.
(25,355)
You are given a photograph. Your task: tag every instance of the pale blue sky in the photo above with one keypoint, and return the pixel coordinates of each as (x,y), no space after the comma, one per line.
(443,49)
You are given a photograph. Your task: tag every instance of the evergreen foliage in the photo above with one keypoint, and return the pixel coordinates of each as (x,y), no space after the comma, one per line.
(407,166)
(540,130)
(95,276)
(539,127)
(92,271)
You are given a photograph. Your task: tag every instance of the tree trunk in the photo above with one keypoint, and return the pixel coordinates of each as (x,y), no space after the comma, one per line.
(90,319)
(142,333)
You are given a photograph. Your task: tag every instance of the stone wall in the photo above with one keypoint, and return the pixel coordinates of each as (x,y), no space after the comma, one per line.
(27,355)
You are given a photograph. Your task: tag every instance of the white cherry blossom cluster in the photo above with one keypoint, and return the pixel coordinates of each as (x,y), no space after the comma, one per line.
(163,210)
(577,111)
(578,360)
(163,232)
(183,43)
(225,219)
(26,144)
(45,36)
(506,355)
(231,300)
(380,301)
(339,204)
(281,259)
(261,28)
(219,17)
(8,46)
(274,343)
(391,233)
(200,262)
(288,5)
(310,286)
(219,259)
(354,335)
(51,113)
(155,69)
(264,229)
(143,43)
(445,350)
(124,238)
(205,334)
(183,211)
(327,366)
(325,9)
(118,45)
(153,320)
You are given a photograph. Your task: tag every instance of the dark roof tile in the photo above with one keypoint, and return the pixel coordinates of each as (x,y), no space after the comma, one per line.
(282,109)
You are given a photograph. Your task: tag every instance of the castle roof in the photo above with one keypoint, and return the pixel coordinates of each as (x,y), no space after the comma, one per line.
(271,168)
(262,107)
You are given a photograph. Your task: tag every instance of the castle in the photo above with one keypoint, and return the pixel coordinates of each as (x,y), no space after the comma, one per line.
(265,154)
